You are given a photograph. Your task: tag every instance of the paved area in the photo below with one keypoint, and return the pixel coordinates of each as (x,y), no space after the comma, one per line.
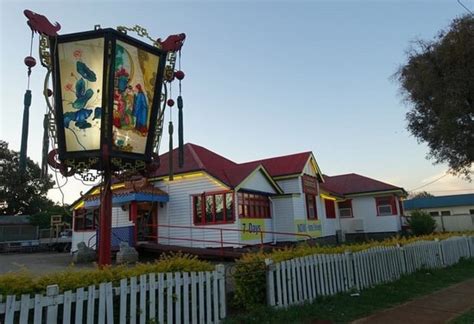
(439,307)
(37,263)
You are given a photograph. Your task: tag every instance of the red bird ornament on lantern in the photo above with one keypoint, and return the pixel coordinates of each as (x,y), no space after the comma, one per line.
(172,43)
(40,24)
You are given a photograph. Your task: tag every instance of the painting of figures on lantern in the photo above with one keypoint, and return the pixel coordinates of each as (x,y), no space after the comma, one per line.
(135,74)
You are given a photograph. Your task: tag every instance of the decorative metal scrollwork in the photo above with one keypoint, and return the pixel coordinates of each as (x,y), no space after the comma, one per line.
(142,32)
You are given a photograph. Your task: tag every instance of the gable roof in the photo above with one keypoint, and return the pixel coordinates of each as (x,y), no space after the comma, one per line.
(283,165)
(440,201)
(198,158)
(353,183)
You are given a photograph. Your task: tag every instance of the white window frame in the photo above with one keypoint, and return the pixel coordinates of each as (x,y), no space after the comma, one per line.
(385,213)
(345,209)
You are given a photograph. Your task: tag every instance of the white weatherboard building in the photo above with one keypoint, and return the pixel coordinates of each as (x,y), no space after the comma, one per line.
(214,202)
(452,213)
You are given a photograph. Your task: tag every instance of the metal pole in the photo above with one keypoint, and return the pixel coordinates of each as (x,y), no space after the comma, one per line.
(24,133)
(105,255)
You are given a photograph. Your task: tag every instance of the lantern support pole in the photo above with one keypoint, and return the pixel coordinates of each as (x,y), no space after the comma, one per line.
(105,229)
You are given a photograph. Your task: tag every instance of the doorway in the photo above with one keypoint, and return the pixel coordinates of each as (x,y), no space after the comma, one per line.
(146,222)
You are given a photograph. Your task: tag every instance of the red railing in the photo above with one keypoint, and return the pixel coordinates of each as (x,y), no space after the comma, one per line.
(221,231)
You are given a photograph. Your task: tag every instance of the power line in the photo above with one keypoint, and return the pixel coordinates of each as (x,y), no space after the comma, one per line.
(427,184)
(467,9)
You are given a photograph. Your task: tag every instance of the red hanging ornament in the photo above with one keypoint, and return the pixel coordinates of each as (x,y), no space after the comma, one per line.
(170,102)
(179,75)
(30,61)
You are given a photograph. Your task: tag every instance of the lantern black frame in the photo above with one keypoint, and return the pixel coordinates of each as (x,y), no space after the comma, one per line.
(93,158)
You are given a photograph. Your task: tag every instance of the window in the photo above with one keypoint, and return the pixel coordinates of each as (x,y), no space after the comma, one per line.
(330,208)
(434,213)
(311,211)
(386,206)
(345,208)
(213,208)
(86,219)
(253,206)
(445,213)
(471,211)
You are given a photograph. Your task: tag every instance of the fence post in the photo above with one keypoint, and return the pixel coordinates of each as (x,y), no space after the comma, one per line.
(350,269)
(402,257)
(270,282)
(52,292)
(220,269)
(440,252)
(466,239)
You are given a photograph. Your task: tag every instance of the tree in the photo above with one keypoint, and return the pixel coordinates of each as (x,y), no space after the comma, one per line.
(438,81)
(42,219)
(421,194)
(421,223)
(21,193)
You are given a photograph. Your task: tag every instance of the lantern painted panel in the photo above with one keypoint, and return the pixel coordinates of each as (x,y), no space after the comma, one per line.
(81,76)
(135,74)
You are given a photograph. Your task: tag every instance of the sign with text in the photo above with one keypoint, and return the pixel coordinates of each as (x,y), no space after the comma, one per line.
(310,227)
(251,228)
(310,185)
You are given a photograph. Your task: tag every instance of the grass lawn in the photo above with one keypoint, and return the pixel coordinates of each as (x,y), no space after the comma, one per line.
(343,308)
(466,318)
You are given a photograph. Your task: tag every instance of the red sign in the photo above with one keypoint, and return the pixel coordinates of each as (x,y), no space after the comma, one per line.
(310,185)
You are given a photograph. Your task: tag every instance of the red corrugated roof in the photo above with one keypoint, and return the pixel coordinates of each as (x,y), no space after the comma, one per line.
(354,183)
(198,158)
(283,165)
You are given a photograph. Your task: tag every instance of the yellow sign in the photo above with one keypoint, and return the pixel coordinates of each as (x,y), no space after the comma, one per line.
(251,228)
(309,227)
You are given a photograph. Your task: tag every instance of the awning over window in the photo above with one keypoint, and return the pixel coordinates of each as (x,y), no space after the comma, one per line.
(124,195)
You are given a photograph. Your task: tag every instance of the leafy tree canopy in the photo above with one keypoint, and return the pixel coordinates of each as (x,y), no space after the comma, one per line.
(21,194)
(438,81)
(419,194)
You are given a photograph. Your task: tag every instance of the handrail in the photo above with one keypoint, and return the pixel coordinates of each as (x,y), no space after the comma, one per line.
(221,230)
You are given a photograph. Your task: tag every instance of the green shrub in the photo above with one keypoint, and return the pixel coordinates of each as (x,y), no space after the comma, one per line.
(250,281)
(24,282)
(249,275)
(421,223)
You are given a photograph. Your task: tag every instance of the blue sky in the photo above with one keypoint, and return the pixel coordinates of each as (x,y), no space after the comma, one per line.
(263,78)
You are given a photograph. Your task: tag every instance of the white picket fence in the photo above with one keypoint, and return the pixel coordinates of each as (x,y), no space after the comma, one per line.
(303,279)
(195,297)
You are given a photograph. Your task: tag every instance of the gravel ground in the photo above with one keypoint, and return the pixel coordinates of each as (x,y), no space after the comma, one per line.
(37,263)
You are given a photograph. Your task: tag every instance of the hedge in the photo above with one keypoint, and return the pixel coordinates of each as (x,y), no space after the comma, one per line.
(24,282)
(250,272)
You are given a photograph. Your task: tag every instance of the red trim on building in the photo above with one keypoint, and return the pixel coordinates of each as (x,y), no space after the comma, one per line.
(82,214)
(386,201)
(202,211)
(330,208)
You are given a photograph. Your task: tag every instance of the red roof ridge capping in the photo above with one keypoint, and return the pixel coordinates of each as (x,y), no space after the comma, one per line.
(283,165)
(195,156)
(352,183)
